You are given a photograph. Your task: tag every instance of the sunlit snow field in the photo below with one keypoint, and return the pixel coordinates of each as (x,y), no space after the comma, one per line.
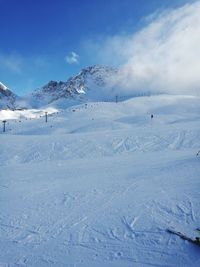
(99,184)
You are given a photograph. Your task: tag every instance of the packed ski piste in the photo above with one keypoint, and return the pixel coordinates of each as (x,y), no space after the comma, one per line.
(101,184)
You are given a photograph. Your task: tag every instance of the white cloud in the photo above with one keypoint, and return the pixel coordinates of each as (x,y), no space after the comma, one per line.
(161,57)
(72,58)
(12,62)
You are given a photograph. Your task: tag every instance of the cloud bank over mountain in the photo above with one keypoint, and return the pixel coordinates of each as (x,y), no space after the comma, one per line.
(162,57)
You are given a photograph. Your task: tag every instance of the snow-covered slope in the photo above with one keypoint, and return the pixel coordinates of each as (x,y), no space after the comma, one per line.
(99,184)
(89,84)
(7,97)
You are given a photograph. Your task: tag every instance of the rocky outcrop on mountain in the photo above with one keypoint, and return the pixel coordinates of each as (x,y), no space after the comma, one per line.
(7,97)
(90,84)
(87,85)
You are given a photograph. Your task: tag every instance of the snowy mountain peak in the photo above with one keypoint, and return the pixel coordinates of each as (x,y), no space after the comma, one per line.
(97,74)
(3,87)
(88,84)
(7,97)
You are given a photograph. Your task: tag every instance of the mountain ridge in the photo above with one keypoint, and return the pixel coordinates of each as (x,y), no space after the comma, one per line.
(88,85)
(93,83)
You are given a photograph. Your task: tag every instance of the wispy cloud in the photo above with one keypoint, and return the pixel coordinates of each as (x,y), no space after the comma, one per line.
(12,62)
(40,62)
(161,57)
(72,58)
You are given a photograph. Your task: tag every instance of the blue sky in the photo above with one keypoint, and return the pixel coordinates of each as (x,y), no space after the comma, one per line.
(42,40)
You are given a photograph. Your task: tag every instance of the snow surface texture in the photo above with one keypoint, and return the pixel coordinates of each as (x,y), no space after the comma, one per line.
(99,184)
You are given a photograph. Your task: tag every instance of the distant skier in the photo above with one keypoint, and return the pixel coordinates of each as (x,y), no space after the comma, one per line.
(151,116)
(198,153)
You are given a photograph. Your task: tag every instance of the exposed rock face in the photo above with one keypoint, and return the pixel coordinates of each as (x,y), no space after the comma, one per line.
(86,85)
(7,97)
(90,84)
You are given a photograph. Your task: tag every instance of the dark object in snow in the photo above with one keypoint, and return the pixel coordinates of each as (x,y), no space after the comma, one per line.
(46,116)
(151,116)
(198,153)
(4,126)
(195,241)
